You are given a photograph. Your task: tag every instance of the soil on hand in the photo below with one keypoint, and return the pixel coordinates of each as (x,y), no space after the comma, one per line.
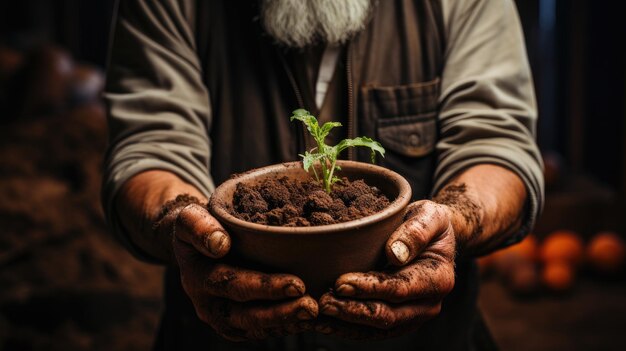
(289,203)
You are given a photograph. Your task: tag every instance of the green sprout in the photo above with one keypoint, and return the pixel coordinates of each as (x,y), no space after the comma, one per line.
(326,155)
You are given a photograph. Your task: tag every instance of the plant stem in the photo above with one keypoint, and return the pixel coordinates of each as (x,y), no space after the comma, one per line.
(330,176)
(315,173)
(323,163)
(326,182)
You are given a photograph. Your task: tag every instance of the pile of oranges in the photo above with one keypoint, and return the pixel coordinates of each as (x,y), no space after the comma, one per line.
(554,263)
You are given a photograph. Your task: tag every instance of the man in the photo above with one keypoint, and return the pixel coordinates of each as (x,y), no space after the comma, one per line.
(199,90)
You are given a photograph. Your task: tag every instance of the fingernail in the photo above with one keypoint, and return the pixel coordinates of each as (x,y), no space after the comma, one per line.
(330,310)
(217,240)
(346,290)
(324,329)
(292,291)
(304,315)
(400,250)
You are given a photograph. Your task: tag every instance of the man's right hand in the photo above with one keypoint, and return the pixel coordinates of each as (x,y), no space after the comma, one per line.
(239,304)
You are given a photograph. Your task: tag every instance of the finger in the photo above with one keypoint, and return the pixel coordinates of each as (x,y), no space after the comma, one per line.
(267,315)
(425,221)
(194,225)
(241,285)
(258,317)
(377,314)
(237,321)
(423,279)
(202,278)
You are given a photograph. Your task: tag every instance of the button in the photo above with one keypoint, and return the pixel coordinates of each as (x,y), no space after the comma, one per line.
(414,139)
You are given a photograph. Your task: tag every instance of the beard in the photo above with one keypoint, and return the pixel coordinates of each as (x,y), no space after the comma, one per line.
(300,23)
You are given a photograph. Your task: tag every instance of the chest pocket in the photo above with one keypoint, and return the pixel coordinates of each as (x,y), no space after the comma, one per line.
(403,119)
(404,116)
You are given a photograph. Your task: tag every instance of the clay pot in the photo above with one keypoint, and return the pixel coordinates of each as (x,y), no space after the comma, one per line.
(318,254)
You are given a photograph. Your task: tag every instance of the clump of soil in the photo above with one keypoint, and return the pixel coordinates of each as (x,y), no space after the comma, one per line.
(289,203)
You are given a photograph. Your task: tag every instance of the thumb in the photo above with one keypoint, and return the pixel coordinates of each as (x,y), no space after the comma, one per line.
(195,226)
(425,220)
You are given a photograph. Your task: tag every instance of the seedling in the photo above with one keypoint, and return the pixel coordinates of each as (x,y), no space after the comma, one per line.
(326,155)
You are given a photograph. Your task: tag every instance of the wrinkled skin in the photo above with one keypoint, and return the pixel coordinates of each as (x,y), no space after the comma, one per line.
(238,304)
(398,300)
(241,304)
(485,205)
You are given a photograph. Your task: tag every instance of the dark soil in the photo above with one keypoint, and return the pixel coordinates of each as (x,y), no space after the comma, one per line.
(65,284)
(283,202)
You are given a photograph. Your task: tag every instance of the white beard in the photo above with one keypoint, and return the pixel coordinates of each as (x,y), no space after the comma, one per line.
(300,23)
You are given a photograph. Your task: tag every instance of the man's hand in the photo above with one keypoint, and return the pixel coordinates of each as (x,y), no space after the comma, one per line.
(238,304)
(386,304)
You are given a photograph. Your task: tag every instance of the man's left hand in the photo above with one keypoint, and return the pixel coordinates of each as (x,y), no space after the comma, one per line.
(392,302)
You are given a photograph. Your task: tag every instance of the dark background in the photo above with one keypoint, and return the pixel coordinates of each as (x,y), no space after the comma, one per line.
(67,285)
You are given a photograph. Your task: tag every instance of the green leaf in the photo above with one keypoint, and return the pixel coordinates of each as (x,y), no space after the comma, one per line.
(308,159)
(374,146)
(326,155)
(300,112)
(309,121)
(327,127)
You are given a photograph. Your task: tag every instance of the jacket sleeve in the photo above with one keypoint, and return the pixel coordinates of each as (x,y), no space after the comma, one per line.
(157,104)
(487,104)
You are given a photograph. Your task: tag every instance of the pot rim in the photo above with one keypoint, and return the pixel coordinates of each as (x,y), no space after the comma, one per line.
(218,209)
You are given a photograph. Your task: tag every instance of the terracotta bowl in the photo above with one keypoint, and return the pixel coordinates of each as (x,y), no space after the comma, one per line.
(318,254)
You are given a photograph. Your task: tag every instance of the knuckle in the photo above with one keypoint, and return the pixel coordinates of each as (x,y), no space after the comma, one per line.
(268,283)
(270,316)
(187,215)
(244,319)
(415,230)
(375,312)
(239,293)
(196,219)
(438,208)
(221,281)
(430,208)
(399,291)
(437,212)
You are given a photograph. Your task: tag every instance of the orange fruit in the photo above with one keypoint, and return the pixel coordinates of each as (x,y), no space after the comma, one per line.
(527,248)
(558,276)
(562,245)
(501,261)
(606,252)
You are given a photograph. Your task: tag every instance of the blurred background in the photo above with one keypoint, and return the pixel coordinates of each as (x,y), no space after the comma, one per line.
(66,285)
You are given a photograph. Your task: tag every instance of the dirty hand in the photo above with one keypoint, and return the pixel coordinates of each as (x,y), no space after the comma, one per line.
(238,304)
(393,302)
